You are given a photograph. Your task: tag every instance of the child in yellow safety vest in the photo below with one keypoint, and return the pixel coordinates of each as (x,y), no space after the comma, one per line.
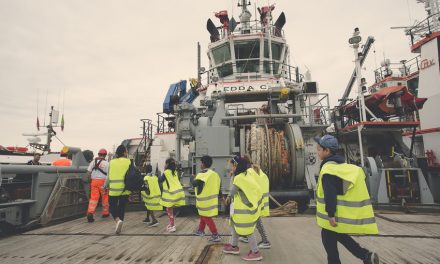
(207,188)
(343,204)
(245,210)
(263,182)
(173,194)
(151,196)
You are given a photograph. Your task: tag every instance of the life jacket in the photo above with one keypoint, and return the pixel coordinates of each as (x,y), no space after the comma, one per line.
(98,162)
(354,212)
(173,194)
(64,162)
(152,199)
(245,216)
(263,182)
(117,170)
(207,200)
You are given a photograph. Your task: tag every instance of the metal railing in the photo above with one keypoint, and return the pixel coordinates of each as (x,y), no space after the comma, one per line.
(255,27)
(424,28)
(164,123)
(315,109)
(288,72)
(401,69)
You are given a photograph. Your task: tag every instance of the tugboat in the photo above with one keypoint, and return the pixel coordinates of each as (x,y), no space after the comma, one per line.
(250,100)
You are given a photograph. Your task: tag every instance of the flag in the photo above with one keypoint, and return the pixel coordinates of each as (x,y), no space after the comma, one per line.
(38,124)
(62,122)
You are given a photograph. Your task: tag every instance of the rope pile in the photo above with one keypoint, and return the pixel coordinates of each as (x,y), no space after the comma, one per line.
(288,209)
(268,148)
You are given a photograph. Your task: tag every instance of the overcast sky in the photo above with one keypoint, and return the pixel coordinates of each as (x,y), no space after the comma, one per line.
(114,60)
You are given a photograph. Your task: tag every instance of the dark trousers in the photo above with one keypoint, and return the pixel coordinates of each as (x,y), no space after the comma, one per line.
(150,213)
(330,241)
(117,206)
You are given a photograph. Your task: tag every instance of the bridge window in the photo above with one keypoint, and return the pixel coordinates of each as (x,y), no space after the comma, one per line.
(276,50)
(222,59)
(222,53)
(225,70)
(247,55)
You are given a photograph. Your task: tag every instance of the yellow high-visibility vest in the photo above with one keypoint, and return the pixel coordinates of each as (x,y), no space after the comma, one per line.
(354,212)
(207,200)
(263,182)
(173,194)
(244,217)
(152,200)
(117,169)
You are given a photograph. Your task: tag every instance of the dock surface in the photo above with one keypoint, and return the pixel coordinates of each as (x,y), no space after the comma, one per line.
(403,239)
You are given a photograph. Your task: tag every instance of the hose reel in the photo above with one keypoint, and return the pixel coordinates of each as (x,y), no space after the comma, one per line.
(279,153)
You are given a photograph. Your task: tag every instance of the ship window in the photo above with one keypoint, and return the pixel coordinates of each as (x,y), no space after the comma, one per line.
(247,49)
(222,53)
(225,70)
(413,85)
(275,66)
(276,50)
(248,66)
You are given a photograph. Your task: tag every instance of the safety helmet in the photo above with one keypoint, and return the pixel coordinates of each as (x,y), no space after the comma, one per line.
(102,152)
(64,151)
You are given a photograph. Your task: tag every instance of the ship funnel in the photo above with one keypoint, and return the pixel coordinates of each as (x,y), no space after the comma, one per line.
(279,24)
(215,34)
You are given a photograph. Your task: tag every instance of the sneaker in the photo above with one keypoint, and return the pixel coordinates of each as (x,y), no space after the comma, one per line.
(372,258)
(215,238)
(172,229)
(243,239)
(199,233)
(153,224)
(229,249)
(251,256)
(264,245)
(146,220)
(90,218)
(105,216)
(118,227)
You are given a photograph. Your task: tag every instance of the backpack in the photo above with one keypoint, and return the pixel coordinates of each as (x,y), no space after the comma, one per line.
(133,179)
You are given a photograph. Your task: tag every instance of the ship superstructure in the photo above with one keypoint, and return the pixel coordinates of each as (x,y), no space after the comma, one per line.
(250,100)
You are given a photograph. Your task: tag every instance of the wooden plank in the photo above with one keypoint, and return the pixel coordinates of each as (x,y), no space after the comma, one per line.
(294,240)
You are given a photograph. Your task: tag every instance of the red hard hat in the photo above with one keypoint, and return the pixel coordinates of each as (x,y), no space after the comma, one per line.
(102,152)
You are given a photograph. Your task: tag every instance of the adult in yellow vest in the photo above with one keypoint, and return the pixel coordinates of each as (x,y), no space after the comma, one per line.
(263,182)
(245,209)
(343,203)
(151,196)
(207,188)
(173,194)
(118,196)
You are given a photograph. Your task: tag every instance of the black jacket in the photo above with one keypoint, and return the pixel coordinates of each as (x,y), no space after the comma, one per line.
(332,186)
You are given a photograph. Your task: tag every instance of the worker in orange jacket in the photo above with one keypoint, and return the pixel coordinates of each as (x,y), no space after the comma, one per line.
(97,171)
(63,161)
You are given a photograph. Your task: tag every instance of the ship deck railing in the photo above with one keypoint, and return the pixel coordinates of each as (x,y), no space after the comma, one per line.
(402,69)
(424,28)
(288,72)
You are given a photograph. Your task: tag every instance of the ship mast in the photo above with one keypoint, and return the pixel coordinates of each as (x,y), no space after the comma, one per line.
(432,7)
(245,16)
